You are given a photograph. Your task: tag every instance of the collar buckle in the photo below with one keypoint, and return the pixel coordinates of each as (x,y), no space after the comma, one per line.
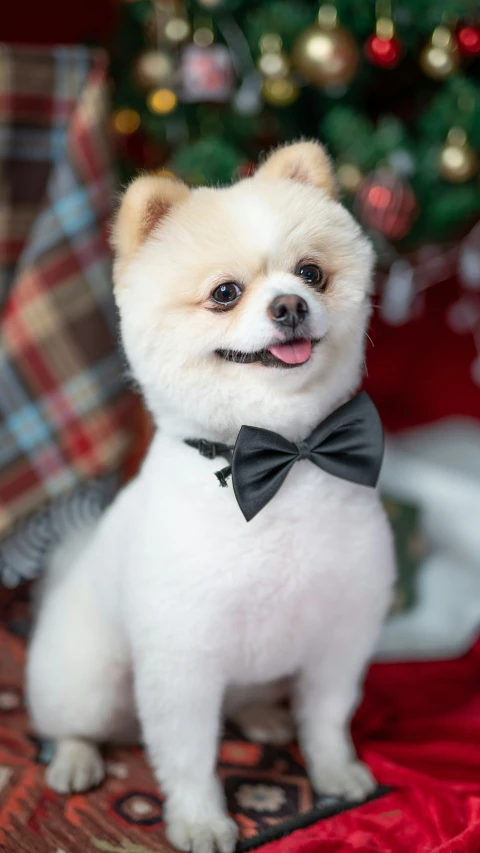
(207,448)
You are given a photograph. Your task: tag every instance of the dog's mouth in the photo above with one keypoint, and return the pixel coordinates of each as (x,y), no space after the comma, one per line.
(291,354)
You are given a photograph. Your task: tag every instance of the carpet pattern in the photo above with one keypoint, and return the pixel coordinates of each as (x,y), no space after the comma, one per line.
(268,792)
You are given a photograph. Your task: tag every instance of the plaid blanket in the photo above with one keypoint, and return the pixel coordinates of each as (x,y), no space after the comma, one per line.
(63,405)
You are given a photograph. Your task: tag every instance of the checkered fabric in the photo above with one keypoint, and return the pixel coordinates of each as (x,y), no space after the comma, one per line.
(63,404)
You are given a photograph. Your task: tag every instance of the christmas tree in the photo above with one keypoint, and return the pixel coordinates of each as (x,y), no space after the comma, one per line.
(202,88)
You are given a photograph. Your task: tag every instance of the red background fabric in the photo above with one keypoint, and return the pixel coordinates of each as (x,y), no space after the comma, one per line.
(421,372)
(419,730)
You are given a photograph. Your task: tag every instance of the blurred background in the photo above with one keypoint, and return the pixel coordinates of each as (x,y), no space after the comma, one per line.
(94,92)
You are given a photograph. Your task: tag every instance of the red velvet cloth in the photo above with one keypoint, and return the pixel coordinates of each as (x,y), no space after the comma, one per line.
(419,730)
(421,371)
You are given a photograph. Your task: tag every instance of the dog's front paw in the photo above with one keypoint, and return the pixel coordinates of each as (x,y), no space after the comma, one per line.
(77,766)
(350,781)
(218,833)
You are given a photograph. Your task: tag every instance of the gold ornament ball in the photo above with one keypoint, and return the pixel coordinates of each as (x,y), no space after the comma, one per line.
(279,93)
(326,56)
(349,177)
(153,68)
(457,162)
(440,58)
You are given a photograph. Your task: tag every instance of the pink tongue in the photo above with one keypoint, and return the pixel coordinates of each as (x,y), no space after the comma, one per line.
(295,352)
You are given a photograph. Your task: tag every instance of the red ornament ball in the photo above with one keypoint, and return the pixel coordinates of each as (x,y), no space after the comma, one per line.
(468,38)
(386,202)
(384,52)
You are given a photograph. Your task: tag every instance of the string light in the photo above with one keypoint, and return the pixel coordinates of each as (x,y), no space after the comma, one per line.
(126,121)
(177,29)
(162,101)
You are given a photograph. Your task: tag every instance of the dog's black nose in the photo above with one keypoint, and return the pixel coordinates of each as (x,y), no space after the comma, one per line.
(289,310)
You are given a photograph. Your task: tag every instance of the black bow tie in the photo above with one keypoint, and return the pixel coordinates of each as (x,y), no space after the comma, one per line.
(347,444)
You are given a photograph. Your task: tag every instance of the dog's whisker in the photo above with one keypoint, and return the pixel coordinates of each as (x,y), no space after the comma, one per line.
(365,333)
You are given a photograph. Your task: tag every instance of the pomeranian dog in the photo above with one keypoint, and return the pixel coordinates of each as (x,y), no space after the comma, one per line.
(245,305)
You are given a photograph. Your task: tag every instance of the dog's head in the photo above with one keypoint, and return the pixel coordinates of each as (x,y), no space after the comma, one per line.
(243,305)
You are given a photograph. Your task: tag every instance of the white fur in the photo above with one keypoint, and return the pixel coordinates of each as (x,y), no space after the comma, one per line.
(177,606)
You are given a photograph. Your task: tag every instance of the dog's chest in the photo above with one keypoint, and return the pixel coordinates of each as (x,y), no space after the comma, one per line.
(268,587)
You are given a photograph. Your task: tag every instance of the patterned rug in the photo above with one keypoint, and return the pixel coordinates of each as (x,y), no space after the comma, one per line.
(267,789)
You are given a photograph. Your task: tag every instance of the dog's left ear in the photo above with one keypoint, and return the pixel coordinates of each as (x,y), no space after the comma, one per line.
(305,162)
(146,203)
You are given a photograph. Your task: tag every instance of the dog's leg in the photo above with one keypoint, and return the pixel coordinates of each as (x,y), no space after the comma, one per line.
(180,707)
(326,695)
(78,685)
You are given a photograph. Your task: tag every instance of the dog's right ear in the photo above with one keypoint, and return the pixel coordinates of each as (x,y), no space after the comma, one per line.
(304,162)
(147,201)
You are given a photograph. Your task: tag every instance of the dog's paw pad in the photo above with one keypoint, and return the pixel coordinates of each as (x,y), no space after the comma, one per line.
(352,781)
(218,835)
(76,767)
(266,724)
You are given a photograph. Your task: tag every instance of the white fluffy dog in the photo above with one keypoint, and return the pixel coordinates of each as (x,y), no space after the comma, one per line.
(174,610)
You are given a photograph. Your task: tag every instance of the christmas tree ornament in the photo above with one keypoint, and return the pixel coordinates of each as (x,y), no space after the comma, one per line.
(280,93)
(468,38)
(349,177)
(457,162)
(386,202)
(206,74)
(152,69)
(162,101)
(383,48)
(440,58)
(273,62)
(326,55)
(126,121)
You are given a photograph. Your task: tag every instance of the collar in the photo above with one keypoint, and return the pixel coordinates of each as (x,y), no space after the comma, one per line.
(212,449)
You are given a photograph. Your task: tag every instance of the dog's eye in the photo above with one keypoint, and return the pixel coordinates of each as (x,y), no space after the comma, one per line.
(227,293)
(311,274)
